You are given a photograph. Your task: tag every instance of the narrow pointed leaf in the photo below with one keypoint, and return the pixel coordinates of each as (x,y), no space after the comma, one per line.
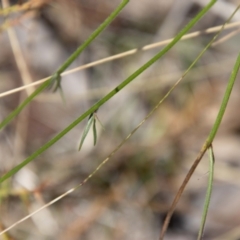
(86,130)
(94,130)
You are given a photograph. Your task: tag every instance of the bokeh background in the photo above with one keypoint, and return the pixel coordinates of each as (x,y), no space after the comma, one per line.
(130,196)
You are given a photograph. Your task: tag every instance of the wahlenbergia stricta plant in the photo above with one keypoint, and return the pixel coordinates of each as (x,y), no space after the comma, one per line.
(67,192)
(125,140)
(121,144)
(105,98)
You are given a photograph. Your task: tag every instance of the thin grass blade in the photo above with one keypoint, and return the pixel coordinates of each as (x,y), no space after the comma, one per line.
(208,193)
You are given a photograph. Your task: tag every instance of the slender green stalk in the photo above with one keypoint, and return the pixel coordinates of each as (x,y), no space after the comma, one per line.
(208,193)
(208,141)
(226,97)
(56,77)
(211,136)
(110,94)
(205,146)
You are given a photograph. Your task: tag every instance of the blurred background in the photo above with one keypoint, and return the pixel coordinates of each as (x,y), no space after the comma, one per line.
(130,196)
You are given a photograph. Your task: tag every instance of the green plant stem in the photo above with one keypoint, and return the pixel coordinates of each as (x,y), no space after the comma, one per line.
(205,146)
(110,94)
(208,193)
(57,75)
(211,136)
(224,103)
